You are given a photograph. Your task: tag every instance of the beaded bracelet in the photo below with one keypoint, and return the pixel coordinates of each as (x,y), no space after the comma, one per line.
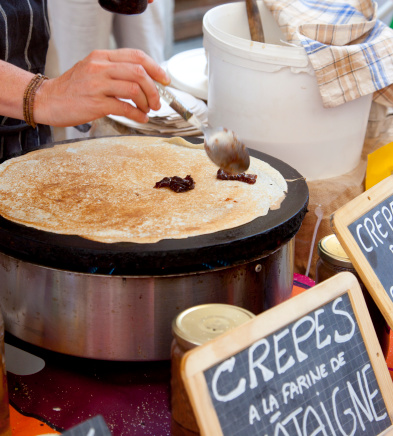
(28,98)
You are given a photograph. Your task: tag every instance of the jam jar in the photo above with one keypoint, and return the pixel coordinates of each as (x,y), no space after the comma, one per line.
(192,327)
(333,259)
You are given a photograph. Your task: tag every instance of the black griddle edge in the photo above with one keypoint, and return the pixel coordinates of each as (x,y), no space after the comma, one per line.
(258,238)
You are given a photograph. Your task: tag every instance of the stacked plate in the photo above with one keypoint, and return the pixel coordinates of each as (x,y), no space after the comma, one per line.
(166,121)
(188,72)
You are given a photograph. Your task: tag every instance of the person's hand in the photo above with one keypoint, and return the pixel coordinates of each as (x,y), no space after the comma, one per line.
(92,89)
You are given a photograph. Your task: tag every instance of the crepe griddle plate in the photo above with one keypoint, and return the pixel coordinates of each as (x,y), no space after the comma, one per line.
(255,239)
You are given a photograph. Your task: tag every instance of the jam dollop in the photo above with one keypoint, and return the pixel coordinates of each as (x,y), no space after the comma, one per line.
(242,177)
(176,183)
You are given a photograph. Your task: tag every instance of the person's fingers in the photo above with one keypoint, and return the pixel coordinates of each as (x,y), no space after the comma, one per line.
(137,66)
(139,57)
(131,91)
(124,109)
(132,82)
(92,89)
(133,66)
(123,81)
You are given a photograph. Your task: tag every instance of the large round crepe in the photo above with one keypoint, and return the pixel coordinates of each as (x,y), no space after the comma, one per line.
(103,189)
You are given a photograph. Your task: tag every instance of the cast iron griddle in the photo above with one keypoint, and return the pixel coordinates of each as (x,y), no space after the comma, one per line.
(257,238)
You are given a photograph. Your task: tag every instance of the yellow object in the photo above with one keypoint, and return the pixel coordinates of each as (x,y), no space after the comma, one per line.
(379,165)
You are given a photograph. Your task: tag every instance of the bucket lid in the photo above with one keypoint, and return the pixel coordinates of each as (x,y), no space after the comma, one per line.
(200,324)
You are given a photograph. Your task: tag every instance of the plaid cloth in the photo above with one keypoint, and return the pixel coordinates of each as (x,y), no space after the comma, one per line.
(350,50)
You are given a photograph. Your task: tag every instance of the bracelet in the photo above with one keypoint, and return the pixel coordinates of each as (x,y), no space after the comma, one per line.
(28,98)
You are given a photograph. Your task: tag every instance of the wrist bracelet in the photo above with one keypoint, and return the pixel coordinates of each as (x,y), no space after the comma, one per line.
(28,98)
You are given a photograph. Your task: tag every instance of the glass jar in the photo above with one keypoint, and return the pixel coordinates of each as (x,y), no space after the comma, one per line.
(193,327)
(332,260)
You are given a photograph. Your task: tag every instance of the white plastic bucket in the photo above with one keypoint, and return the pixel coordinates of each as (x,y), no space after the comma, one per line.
(268,94)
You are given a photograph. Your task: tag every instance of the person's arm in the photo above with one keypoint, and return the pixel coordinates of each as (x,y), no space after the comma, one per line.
(89,90)
(12,87)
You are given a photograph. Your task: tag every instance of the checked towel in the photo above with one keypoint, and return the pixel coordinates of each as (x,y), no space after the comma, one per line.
(350,50)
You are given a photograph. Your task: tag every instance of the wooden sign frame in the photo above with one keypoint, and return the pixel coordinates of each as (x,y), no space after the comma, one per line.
(344,217)
(200,359)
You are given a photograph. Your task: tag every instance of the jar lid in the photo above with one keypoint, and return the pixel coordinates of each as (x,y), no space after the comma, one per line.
(330,249)
(200,324)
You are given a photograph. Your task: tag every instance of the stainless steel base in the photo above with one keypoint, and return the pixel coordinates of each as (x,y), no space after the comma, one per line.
(128,317)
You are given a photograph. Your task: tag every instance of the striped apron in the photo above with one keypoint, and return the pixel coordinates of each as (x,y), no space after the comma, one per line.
(24,36)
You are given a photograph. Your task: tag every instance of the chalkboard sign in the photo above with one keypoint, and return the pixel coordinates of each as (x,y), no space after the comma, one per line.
(309,366)
(92,427)
(364,227)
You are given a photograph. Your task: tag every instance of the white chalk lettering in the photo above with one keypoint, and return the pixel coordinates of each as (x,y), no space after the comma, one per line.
(227,365)
(253,415)
(290,390)
(337,336)
(323,373)
(321,427)
(273,404)
(391,207)
(370,395)
(370,227)
(378,225)
(337,362)
(280,430)
(373,230)
(322,418)
(387,215)
(358,229)
(279,353)
(318,329)
(292,417)
(327,417)
(365,406)
(346,412)
(297,340)
(266,372)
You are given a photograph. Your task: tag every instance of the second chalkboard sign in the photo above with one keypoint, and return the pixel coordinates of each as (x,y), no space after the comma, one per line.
(309,366)
(364,227)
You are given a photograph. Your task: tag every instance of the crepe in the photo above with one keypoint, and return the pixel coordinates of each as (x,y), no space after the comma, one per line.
(103,189)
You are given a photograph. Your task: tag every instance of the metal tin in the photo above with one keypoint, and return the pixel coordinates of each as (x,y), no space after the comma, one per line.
(192,327)
(200,324)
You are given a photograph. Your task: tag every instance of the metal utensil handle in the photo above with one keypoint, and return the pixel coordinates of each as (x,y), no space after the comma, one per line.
(173,102)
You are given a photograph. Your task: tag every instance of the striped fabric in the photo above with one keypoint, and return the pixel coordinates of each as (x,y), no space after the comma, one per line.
(24,36)
(351,51)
